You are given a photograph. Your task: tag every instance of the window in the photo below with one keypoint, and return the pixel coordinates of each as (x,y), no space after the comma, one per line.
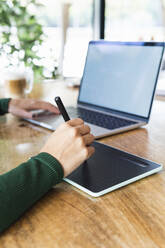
(78,35)
(135,20)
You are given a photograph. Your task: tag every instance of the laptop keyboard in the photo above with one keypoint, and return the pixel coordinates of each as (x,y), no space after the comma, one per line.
(100,119)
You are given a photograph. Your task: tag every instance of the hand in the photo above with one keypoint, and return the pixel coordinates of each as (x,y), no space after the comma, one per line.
(22,107)
(70,144)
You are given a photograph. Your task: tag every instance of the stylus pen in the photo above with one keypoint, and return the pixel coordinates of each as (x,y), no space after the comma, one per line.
(62,108)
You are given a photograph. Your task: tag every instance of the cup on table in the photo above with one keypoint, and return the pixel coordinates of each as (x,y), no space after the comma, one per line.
(18,83)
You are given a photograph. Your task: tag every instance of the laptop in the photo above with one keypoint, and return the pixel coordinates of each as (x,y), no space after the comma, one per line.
(117,88)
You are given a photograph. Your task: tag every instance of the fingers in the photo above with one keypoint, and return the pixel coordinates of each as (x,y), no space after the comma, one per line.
(22,113)
(88,139)
(79,125)
(90,151)
(48,106)
(75,122)
(79,130)
(34,104)
(83,129)
(31,104)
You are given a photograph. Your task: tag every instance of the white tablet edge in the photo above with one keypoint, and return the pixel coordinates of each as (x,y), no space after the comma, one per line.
(117,186)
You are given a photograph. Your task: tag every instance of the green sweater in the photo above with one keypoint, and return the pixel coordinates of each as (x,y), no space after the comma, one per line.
(21,187)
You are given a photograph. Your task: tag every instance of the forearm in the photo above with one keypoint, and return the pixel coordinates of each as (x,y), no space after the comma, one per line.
(4,103)
(24,185)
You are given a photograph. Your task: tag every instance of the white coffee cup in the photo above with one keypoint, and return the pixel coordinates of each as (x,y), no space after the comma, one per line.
(18,82)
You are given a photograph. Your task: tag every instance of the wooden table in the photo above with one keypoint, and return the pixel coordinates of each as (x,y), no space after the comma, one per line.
(133,216)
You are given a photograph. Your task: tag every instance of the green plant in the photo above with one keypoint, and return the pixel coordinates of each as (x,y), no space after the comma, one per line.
(21,34)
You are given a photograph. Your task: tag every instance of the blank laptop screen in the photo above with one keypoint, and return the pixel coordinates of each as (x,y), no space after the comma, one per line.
(121,77)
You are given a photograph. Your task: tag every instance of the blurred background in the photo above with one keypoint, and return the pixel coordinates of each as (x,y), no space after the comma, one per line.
(52,35)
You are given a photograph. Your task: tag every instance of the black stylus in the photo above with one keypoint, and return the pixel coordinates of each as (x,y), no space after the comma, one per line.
(62,108)
(63,111)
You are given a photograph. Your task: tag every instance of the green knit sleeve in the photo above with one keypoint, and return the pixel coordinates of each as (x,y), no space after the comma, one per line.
(21,187)
(4,105)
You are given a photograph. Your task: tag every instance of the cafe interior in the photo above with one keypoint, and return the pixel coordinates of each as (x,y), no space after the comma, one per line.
(116,198)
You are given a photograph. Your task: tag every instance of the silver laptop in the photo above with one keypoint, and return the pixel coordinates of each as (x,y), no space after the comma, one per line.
(117,87)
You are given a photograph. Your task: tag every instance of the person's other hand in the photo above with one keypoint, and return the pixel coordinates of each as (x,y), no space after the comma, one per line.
(23,107)
(70,144)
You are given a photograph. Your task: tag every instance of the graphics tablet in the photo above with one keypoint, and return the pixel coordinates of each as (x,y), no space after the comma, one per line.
(109,169)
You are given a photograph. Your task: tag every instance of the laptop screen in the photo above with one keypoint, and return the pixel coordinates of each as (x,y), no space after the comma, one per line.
(121,76)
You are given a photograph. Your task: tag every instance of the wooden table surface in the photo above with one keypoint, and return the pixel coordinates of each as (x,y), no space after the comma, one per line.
(133,216)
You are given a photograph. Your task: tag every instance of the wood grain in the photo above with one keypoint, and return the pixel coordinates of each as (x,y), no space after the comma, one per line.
(133,216)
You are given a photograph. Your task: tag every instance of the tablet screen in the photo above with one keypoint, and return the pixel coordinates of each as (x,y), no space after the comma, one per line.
(109,167)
